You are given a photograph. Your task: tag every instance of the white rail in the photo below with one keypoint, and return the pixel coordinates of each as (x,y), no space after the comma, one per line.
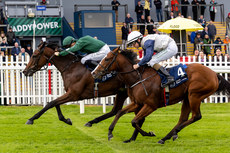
(16,89)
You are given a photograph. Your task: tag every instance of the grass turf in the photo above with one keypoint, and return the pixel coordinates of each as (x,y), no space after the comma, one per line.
(48,134)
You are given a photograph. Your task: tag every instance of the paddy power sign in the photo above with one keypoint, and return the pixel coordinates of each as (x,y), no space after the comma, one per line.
(43,26)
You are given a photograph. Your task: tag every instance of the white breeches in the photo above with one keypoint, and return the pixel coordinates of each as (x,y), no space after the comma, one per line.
(165,54)
(98,55)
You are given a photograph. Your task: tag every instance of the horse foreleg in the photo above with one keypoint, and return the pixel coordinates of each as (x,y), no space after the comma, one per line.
(61,116)
(135,133)
(63,99)
(130,108)
(119,101)
(185,111)
(145,111)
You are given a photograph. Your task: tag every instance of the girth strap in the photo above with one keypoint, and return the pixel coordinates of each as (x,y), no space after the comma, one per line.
(166,95)
(95,91)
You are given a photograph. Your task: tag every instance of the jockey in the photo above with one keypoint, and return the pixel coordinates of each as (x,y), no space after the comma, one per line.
(96,49)
(164,46)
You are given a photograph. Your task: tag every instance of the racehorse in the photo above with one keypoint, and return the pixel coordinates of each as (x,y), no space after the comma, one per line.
(146,94)
(78,84)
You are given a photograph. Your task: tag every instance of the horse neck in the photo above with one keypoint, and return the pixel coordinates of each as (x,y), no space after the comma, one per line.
(61,62)
(126,66)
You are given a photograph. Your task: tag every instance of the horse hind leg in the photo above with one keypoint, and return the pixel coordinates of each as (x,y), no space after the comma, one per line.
(61,100)
(135,133)
(196,114)
(144,112)
(185,111)
(119,101)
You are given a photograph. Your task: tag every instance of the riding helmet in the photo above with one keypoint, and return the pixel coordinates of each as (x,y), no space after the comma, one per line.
(68,40)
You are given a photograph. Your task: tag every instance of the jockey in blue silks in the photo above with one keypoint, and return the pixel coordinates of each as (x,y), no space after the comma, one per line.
(164,46)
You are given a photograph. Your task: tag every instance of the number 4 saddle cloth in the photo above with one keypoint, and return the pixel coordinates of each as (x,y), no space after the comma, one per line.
(179,74)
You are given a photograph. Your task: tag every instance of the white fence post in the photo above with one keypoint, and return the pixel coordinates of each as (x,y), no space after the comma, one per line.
(82,107)
(44,89)
(104,105)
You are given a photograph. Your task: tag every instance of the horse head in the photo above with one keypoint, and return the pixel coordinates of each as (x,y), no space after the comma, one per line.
(106,65)
(41,56)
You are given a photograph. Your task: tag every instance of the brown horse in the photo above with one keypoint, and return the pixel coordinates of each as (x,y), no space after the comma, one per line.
(78,84)
(202,82)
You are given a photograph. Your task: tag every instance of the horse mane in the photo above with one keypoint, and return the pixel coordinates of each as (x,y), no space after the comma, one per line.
(68,57)
(52,45)
(129,54)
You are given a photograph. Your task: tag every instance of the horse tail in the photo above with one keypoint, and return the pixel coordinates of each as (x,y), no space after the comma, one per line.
(224,85)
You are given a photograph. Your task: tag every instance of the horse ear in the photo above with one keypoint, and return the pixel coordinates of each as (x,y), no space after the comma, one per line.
(119,49)
(116,49)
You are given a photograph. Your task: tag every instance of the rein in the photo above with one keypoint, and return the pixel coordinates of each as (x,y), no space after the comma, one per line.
(47,64)
(50,60)
(106,70)
(142,80)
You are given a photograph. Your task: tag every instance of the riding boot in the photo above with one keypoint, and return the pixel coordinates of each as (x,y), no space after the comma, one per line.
(94,63)
(91,64)
(170,79)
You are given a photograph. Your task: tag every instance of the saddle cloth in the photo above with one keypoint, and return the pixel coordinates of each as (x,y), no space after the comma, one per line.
(179,74)
(106,77)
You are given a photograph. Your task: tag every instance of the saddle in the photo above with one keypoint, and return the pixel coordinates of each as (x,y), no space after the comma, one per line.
(180,76)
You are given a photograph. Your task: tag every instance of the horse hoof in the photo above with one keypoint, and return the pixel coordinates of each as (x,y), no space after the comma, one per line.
(29,122)
(68,121)
(175,137)
(88,124)
(151,134)
(128,141)
(110,136)
(161,142)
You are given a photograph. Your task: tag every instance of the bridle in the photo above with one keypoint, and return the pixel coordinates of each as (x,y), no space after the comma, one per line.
(106,69)
(41,50)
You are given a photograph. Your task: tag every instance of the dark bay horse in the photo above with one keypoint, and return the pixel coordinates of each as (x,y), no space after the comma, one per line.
(78,82)
(202,82)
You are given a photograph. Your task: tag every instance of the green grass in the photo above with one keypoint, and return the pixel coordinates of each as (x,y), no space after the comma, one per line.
(210,134)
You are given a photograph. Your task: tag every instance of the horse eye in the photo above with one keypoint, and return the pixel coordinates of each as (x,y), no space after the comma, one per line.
(106,59)
(34,56)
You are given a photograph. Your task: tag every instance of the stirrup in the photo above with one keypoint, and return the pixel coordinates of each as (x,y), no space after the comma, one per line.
(168,83)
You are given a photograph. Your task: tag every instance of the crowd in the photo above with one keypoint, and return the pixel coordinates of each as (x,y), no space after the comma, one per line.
(177,9)
(207,38)
(9,45)
(204,38)
(145,22)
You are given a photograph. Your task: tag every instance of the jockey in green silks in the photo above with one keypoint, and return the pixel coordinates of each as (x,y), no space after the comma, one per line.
(96,49)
